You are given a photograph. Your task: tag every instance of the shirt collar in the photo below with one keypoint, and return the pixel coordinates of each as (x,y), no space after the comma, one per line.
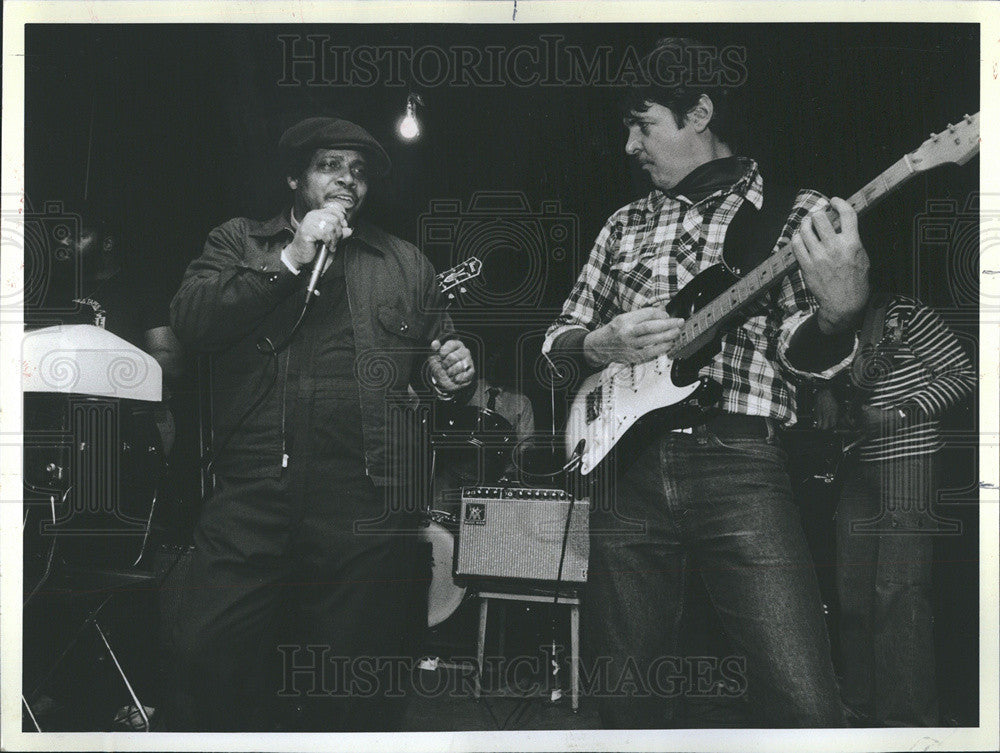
(729,175)
(285,222)
(275,226)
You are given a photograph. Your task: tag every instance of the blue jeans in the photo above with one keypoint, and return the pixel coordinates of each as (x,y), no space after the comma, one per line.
(885,524)
(716,503)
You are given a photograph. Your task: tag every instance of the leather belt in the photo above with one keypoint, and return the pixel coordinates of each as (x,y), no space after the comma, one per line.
(739,425)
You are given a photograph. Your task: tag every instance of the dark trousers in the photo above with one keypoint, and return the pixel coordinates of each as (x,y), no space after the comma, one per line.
(357,601)
(717,504)
(885,522)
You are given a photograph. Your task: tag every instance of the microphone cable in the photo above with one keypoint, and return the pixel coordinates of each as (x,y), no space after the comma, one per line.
(266,347)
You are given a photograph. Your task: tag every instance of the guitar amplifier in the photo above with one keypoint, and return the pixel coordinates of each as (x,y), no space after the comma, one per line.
(517,534)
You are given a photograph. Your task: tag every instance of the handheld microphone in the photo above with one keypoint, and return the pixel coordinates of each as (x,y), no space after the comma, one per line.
(321,258)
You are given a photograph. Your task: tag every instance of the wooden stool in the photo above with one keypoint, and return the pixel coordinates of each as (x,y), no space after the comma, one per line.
(570,599)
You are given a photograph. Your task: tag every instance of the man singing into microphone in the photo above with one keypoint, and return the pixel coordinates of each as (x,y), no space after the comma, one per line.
(303,523)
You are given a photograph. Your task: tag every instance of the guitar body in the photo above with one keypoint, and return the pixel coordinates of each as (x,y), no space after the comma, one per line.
(623,404)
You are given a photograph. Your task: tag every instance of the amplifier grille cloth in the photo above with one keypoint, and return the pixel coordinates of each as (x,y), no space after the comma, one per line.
(522,539)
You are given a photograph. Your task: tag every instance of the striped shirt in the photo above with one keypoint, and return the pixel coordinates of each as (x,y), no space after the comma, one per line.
(650,249)
(923,365)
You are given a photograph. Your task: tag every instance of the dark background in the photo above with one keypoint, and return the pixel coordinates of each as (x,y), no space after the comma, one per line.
(174,129)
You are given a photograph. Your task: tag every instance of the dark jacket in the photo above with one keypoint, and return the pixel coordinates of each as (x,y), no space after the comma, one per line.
(239,291)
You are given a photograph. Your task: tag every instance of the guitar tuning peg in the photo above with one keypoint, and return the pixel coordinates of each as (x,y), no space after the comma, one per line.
(934,137)
(967,118)
(951,128)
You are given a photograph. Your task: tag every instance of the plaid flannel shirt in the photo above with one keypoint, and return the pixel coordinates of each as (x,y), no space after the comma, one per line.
(650,249)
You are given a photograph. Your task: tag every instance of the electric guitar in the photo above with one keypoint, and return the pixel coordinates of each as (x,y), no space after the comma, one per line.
(622,397)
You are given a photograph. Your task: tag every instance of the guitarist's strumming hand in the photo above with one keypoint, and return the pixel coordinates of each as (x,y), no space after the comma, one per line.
(632,337)
(834,266)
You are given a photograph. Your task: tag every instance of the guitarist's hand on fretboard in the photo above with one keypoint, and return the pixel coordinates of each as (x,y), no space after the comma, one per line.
(632,337)
(834,266)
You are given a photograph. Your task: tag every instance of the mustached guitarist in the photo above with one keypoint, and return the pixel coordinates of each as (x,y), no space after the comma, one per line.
(718,492)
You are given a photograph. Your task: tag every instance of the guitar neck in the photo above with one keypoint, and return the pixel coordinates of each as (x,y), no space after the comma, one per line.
(699,330)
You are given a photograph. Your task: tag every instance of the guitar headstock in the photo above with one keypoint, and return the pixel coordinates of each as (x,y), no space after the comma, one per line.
(956,144)
(459,274)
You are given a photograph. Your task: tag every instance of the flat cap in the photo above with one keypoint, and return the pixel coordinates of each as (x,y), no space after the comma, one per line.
(334,133)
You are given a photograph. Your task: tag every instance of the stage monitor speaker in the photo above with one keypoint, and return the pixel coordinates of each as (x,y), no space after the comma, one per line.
(508,533)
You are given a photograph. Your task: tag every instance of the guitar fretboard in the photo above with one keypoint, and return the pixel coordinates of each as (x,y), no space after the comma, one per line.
(701,327)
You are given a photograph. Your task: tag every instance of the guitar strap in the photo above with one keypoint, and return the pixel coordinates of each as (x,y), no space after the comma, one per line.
(752,233)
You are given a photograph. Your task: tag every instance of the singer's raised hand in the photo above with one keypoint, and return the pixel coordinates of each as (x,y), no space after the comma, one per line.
(328,225)
(451,365)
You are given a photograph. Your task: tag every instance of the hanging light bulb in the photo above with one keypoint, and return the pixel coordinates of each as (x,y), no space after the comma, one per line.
(409,126)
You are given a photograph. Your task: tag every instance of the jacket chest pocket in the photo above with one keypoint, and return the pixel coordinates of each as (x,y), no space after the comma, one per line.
(400,346)
(401,322)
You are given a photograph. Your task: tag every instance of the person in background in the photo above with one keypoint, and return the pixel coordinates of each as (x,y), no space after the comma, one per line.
(886,517)
(100,283)
(501,440)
